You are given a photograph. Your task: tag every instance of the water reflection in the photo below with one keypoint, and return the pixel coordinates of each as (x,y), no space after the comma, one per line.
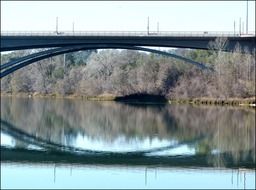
(223,134)
(81,176)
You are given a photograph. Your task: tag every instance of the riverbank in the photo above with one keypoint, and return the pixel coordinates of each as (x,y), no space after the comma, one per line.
(103,97)
(213,101)
(248,102)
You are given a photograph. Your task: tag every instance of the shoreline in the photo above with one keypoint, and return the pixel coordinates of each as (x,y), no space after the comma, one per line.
(238,102)
(248,102)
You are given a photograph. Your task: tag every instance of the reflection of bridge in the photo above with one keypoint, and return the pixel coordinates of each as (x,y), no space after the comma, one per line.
(65,42)
(52,152)
(35,156)
(20,135)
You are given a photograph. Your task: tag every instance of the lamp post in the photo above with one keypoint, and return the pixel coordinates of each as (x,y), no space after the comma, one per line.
(243,27)
(240,26)
(234,27)
(73,27)
(247,18)
(57,25)
(148,25)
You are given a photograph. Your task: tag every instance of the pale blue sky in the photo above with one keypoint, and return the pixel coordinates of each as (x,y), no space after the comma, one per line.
(126,16)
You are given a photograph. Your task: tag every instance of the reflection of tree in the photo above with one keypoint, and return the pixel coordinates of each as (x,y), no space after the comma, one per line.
(203,147)
(226,129)
(229,129)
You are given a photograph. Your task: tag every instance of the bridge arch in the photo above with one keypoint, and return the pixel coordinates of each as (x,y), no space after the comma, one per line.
(19,63)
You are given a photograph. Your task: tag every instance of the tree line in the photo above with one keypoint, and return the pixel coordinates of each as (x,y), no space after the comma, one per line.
(125,72)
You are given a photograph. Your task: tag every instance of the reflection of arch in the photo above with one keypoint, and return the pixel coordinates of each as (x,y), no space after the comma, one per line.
(24,61)
(52,152)
(20,135)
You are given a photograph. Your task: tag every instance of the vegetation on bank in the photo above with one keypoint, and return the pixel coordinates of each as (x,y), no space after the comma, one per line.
(250,102)
(108,74)
(223,102)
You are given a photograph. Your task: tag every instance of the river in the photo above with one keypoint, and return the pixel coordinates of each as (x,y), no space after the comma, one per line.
(63,143)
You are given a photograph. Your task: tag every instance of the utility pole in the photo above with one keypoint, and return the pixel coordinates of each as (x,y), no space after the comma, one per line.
(57,25)
(157,27)
(73,25)
(247,18)
(148,26)
(240,26)
(243,27)
(234,27)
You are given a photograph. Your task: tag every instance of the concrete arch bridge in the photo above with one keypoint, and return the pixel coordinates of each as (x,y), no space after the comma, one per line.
(65,42)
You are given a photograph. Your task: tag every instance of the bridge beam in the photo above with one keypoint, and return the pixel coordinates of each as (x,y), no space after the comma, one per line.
(9,43)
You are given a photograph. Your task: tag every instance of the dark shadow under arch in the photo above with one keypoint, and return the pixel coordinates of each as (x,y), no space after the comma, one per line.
(19,63)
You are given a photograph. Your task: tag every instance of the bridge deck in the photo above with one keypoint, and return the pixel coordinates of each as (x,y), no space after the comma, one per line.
(195,40)
(129,33)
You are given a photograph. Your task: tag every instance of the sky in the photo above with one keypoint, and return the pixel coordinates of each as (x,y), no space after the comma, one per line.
(126,15)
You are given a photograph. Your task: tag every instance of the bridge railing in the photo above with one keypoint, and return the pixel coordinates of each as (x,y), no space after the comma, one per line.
(126,33)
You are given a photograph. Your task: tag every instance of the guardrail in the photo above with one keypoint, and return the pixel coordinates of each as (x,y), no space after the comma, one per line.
(126,33)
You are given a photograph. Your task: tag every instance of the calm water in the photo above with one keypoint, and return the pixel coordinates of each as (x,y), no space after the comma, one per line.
(80,144)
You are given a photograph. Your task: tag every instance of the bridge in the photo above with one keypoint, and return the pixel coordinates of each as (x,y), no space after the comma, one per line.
(65,42)
(194,40)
